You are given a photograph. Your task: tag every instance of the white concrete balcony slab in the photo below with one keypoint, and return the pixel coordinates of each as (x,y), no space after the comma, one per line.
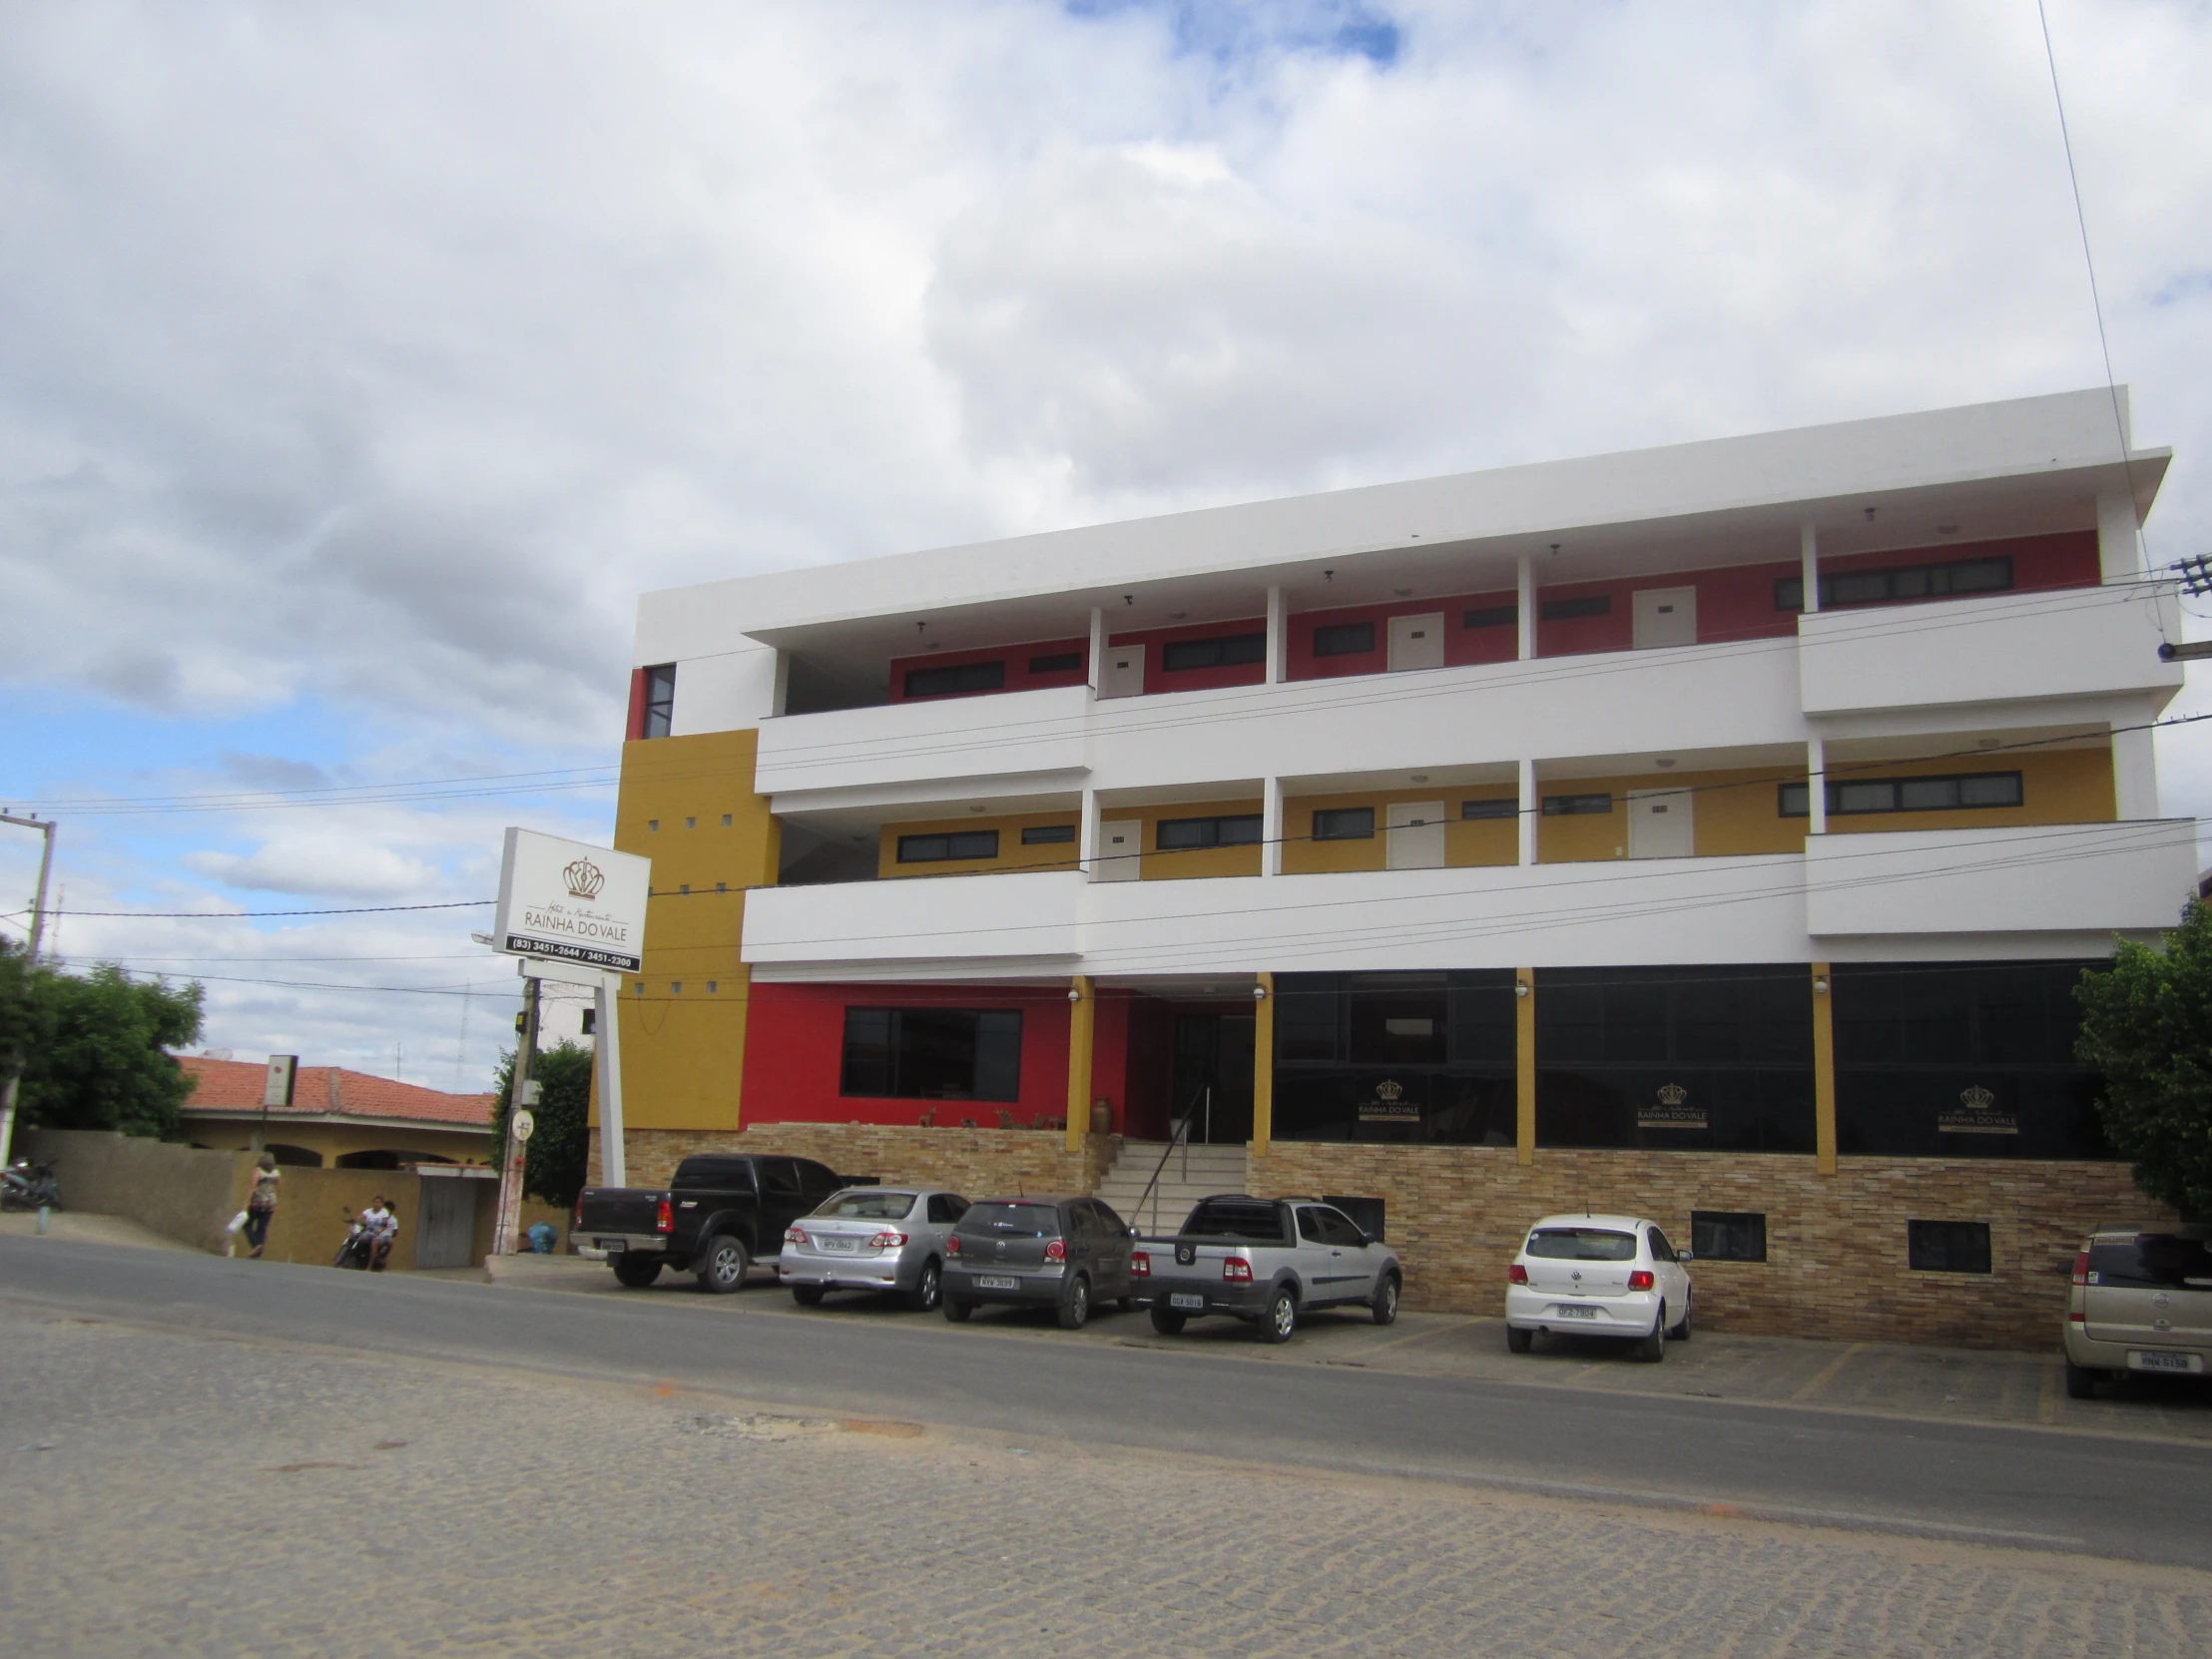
(1001,743)
(2097,878)
(2023,647)
(954,924)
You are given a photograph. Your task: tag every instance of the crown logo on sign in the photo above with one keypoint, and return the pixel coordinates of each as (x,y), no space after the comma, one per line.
(1977,1098)
(1672,1094)
(1387,1091)
(584,879)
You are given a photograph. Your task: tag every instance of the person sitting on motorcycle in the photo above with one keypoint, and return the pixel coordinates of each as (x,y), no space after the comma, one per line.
(384,1231)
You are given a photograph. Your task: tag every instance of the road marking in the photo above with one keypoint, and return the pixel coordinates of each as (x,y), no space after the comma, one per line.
(2046,1402)
(1414,1336)
(1826,1375)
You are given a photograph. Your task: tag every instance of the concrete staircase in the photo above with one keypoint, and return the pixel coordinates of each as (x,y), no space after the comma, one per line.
(1192,1173)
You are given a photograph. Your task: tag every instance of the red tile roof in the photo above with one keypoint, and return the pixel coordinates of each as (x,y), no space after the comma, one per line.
(322,1091)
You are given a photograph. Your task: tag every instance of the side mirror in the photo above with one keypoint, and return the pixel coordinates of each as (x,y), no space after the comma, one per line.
(1683,1255)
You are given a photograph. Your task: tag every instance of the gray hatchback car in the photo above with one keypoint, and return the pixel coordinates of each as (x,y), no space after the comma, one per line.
(1066,1254)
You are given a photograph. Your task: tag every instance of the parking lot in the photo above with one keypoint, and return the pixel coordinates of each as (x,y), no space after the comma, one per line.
(1892,1380)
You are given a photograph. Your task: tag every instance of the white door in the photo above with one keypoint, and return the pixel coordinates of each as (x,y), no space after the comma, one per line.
(1665,616)
(1417,641)
(1123,671)
(1120,845)
(1416,836)
(1660,824)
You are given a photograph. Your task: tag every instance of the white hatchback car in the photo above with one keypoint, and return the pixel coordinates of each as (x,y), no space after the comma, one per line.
(1598,1276)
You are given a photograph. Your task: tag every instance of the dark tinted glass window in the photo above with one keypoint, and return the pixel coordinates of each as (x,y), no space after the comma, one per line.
(1172,834)
(1573,805)
(659,699)
(1033,1221)
(1490,615)
(1344,639)
(721,1174)
(1507,808)
(1899,585)
(1310,1226)
(1728,1235)
(1107,1218)
(2152,1262)
(933,1054)
(1229,1217)
(1563,610)
(1224,651)
(1421,1057)
(1339,1230)
(1851,796)
(817,1181)
(1947,1246)
(963,844)
(1408,1024)
(962,677)
(1057,662)
(1366,1214)
(778,1180)
(1048,835)
(1345,824)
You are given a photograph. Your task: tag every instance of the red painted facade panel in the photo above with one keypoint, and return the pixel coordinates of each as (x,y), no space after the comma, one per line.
(1158,679)
(636,728)
(1019,674)
(1491,642)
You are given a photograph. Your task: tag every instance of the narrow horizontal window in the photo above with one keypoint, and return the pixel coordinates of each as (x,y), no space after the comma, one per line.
(1223,652)
(964,843)
(1947,1246)
(1795,801)
(1345,824)
(1728,1235)
(1576,805)
(960,678)
(1344,639)
(1860,797)
(1564,610)
(1899,585)
(932,1053)
(1183,834)
(1510,807)
(1047,835)
(1490,615)
(1057,662)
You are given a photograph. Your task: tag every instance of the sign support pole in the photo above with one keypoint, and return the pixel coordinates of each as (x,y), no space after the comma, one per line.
(519,1097)
(607,1039)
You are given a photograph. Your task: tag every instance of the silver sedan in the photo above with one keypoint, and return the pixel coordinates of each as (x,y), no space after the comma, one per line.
(871,1239)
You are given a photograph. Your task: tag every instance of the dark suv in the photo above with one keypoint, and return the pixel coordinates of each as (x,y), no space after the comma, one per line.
(719,1215)
(1066,1254)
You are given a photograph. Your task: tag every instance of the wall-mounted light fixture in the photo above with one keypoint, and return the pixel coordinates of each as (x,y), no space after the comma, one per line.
(1663,762)
(1403,593)
(1075,995)
(1258,993)
(1421,776)
(1820,984)
(1520,987)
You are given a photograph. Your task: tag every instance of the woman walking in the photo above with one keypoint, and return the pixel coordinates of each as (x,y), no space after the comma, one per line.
(261,1209)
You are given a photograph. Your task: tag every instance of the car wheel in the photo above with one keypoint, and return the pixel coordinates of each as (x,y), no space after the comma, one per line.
(1281,1319)
(958,1312)
(1518,1340)
(1653,1348)
(636,1272)
(1385,1305)
(2081,1382)
(1167,1320)
(807,1296)
(722,1267)
(930,1289)
(1075,1311)
(1681,1333)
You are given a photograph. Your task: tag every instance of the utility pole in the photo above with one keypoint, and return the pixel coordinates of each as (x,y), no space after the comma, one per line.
(45,826)
(522,1096)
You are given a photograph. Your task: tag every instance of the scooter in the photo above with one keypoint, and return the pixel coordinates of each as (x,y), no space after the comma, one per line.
(359,1245)
(28,1186)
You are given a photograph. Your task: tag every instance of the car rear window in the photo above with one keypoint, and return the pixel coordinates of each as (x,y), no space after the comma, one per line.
(1257,1223)
(1036,1221)
(1582,1244)
(722,1172)
(2152,1261)
(875,1205)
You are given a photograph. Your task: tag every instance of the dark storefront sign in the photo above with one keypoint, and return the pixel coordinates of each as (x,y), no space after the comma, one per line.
(1671,1108)
(1977,1113)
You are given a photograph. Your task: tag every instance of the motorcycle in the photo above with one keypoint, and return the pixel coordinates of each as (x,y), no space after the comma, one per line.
(29,1186)
(356,1247)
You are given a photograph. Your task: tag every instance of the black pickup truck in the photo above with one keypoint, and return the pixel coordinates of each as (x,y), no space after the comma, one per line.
(716,1217)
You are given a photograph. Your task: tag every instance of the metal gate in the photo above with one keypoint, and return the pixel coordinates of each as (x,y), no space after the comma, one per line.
(446,1237)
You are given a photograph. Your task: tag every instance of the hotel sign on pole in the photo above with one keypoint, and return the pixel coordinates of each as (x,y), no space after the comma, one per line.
(565,901)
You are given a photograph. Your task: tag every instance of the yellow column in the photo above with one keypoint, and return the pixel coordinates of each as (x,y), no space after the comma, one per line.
(1823,1068)
(1263,1065)
(1082,1023)
(1524,1062)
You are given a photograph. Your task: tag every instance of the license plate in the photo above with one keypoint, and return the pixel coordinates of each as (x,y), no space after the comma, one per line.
(842,1245)
(996,1282)
(1568,1311)
(1179,1300)
(2165,1362)
(613,1247)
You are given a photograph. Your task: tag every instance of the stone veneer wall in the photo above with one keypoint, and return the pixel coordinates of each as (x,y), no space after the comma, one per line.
(981,1163)
(1836,1245)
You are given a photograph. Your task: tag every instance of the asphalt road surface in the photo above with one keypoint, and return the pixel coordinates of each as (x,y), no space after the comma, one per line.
(2038,1488)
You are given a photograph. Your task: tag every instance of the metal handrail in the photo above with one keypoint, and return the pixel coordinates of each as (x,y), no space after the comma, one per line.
(1180,1132)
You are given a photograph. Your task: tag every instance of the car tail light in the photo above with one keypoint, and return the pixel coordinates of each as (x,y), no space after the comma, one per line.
(1056,1251)
(1236,1269)
(952,1245)
(2081,1267)
(664,1217)
(1641,1279)
(1516,1275)
(2078,1319)
(886,1241)
(793,1235)
(1140,1265)
(577,1225)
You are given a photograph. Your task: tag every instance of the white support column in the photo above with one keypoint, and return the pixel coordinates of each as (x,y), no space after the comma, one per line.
(1087,834)
(2135,772)
(606,1025)
(1532,805)
(1279,638)
(1524,613)
(1271,828)
(2116,526)
(1098,645)
(780,696)
(1809,556)
(1816,783)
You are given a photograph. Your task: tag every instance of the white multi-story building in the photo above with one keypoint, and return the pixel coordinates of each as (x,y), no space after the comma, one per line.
(1712,832)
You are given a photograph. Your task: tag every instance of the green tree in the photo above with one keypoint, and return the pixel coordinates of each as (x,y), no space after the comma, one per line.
(26,1012)
(100,1060)
(553,1160)
(2147,1026)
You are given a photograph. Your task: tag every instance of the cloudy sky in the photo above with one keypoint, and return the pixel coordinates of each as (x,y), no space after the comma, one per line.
(360,364)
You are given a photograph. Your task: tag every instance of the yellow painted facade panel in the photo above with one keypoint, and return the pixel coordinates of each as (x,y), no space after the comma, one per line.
(1012,856)
(1467,842)
(2059,786)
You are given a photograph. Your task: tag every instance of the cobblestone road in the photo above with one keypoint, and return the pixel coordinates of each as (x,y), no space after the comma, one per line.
(172,1493)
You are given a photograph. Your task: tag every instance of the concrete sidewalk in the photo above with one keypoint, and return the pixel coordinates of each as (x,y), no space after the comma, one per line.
(81,1227)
